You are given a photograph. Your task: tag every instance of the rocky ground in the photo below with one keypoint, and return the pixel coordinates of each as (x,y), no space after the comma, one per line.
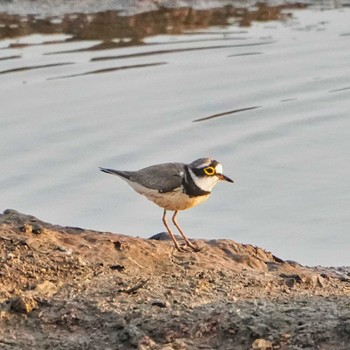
(70,288)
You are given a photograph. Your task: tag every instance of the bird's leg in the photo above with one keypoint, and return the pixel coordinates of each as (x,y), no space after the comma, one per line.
(182,234)
(170,233)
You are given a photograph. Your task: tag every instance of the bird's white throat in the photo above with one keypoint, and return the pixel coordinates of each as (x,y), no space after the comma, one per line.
(204,183)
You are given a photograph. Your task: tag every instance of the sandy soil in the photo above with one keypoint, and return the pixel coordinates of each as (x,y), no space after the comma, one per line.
(70,288)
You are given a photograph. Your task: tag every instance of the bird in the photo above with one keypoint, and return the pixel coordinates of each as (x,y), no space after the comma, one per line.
(174,187)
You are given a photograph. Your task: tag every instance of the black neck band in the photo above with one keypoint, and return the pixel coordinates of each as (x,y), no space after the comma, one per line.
(190,187)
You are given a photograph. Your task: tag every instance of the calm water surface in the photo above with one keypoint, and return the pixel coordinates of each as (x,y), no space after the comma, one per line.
(264,91)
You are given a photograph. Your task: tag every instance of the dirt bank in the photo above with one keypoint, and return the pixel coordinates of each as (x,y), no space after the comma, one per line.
(70,288)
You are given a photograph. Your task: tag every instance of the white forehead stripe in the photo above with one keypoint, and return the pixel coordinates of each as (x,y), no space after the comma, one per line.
(218,169)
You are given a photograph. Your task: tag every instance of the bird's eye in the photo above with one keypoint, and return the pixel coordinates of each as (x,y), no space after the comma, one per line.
(209,170)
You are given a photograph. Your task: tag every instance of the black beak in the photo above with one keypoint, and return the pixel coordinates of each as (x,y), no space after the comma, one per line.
(224,177)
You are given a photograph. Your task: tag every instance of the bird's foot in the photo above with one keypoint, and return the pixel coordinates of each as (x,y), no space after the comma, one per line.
(195,248)
(180,249)
(184,247)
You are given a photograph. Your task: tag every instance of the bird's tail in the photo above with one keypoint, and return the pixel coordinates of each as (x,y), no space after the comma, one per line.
(122,174)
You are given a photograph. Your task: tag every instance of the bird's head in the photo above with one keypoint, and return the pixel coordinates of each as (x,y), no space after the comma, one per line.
(206,172)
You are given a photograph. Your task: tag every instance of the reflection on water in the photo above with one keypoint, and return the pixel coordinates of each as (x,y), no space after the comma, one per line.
(119,31)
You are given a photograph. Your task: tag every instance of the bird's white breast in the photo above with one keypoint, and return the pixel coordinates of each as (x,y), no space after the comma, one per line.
(174,200)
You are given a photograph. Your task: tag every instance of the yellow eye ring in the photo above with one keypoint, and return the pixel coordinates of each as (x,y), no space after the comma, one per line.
(210,171)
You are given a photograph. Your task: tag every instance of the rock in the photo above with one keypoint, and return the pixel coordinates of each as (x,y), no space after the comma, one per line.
(321,282)
(65,250)
(308,279)
(296,277)
(38,230)
(160,304)
(314,280)
(11,211)
(164,236)
(290,282)
(262,344)
(118,267)
(343,326)
(146,343)
(121,245)
(46,288)
(26,228)
(23,304)
(107,291)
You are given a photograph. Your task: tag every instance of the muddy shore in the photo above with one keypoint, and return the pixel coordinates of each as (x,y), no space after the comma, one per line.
(73,288)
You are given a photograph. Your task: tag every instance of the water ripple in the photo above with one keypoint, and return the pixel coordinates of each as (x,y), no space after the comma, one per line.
(225,113)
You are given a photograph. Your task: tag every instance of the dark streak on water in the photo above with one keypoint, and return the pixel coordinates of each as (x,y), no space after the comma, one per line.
(225,113)
(9,58)
(20,69)
(288,99)
(230,32)
(107,70)
(142,54)
(106,45)
(245,54)
(341,89)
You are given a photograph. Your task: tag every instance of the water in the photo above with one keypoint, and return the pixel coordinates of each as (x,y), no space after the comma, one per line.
(269,100)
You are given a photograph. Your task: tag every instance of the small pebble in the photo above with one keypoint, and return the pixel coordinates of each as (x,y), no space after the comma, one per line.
(23,304)
(38,230)
(26,228)
(159,303)
(262,344)
(117,267)
(64,250)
